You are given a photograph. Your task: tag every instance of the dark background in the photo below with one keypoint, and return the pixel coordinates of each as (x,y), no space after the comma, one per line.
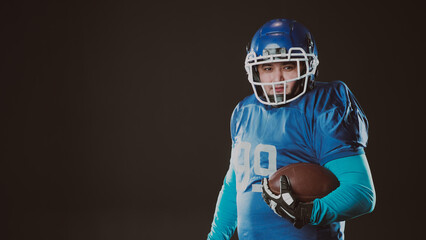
(115,115)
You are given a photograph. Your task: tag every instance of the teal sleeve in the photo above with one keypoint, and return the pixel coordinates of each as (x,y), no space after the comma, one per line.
(354,197)
(225,216)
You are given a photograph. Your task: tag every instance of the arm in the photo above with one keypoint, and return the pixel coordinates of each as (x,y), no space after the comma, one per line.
(354,197)
(341,129)
(225,216)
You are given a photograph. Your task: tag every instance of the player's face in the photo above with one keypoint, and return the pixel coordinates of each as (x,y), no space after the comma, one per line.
(277,72)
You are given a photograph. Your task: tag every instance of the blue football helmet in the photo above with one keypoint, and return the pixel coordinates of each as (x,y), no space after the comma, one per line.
(282,40)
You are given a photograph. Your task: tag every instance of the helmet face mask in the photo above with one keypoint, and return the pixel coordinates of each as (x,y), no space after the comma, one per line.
(280,44)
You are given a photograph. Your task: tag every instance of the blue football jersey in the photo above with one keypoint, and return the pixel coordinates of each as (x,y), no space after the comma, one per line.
(326,123)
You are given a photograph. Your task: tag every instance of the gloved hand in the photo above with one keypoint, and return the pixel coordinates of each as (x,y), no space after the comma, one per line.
(285,204)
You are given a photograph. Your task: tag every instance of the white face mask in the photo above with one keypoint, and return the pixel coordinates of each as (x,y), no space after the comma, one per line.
(297,55)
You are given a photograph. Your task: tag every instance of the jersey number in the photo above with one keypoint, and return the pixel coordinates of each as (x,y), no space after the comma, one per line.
(245,165)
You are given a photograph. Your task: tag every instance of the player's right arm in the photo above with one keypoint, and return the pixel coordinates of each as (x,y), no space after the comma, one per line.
(225,216)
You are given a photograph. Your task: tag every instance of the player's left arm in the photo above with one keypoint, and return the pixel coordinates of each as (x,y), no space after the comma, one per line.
(340,137)
(354,197)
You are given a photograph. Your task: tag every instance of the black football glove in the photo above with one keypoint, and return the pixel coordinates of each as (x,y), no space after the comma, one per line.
(285,204)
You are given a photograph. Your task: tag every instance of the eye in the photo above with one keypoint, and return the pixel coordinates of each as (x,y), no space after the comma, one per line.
(289,67)
(267,68)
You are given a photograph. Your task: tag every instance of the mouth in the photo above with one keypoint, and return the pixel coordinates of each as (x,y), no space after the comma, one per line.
(279,89)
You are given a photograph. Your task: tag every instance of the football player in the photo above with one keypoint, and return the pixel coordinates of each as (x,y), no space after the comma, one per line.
(291,118)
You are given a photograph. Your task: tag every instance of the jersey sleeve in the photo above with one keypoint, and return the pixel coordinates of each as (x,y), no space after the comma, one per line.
(340,127)
(234,123)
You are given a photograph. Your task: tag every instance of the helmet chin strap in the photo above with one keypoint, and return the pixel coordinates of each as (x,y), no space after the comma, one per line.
(280,98)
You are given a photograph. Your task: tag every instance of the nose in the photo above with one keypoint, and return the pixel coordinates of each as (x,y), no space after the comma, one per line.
(278,76)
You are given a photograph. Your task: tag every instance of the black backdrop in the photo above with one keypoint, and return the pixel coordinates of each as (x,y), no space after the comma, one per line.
(115,115)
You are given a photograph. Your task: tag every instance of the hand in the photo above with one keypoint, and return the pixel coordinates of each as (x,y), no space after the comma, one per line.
(285,204)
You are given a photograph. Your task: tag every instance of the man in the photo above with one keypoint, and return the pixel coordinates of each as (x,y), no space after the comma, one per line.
(292,118)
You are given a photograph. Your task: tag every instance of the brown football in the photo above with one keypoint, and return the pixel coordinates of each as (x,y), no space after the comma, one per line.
(308,181)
